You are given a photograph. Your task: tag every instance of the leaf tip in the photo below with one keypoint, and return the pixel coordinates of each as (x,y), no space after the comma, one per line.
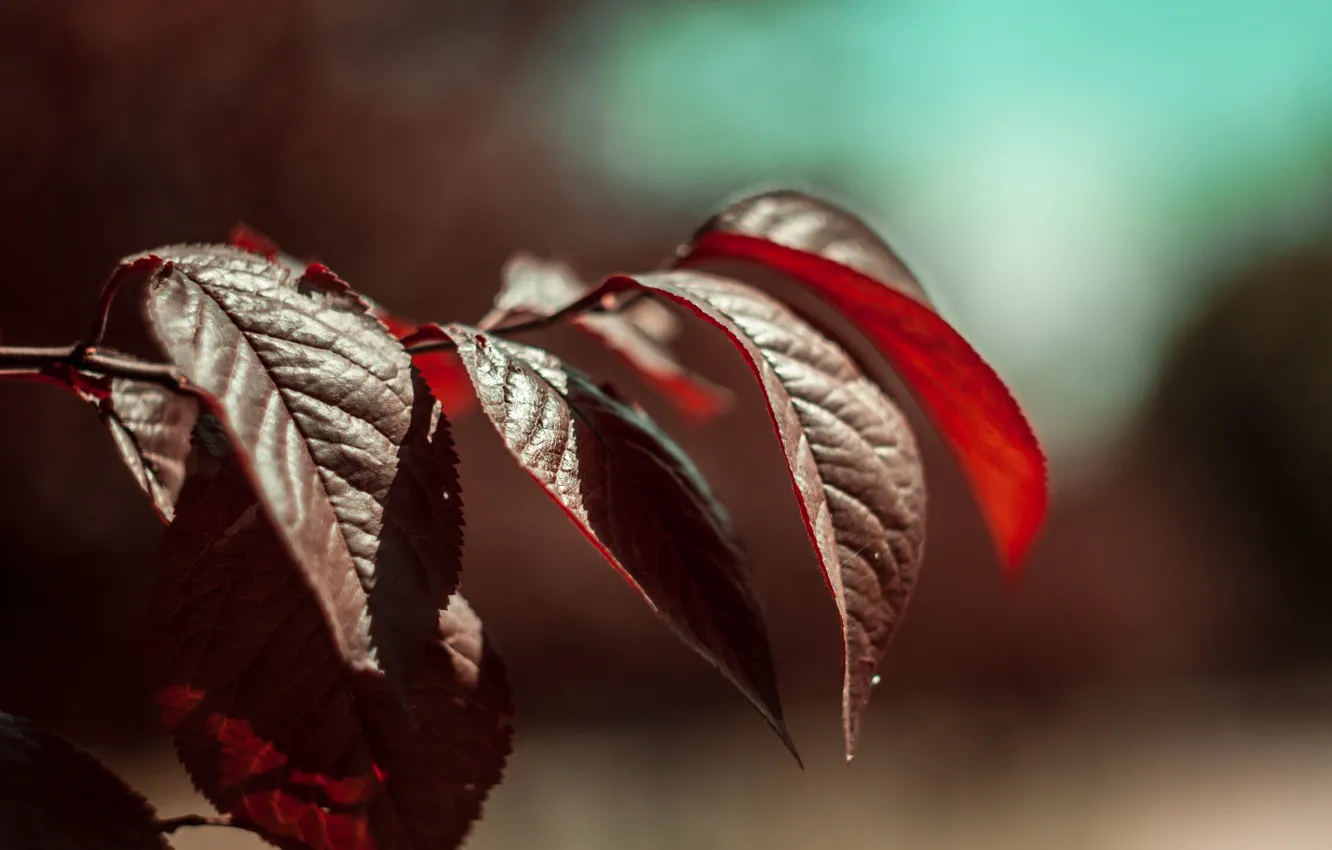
(789,743)
(246,238)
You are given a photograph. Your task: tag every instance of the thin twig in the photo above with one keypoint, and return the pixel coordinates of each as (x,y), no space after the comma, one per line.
(25,362)
(592,302)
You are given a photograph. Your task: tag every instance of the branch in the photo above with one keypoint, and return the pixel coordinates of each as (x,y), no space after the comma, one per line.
(18,362)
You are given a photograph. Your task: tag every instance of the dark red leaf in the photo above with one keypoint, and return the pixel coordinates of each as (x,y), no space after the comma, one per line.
(54,796)
(638,499)
(276,731)
(839,257)
(442,370)
(852,459)
(345,448)
(244,237)
(151,427)
(533,288)
(319,281)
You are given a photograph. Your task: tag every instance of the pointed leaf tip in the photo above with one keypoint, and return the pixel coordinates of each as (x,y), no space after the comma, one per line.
(637,498)
(852,460)
(858,274)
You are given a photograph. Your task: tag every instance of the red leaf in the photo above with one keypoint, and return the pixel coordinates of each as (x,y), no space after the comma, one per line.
(442,370)
(276,731)
(150,426)
(852,459)
(534,288)
(346,450)
(834,253)
(638,499)
(244,237)
(54,796)
(318,280)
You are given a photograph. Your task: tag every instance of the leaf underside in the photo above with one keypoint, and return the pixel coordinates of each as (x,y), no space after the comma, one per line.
(343,444)
(636,497)
(852,459)
(54,796)
(275,730)
(151,427)
(534,288)
(858,274)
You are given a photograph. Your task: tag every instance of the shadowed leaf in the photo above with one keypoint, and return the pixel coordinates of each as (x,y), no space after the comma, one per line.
(151,428)
(345,448)
(276,731)
(54,796)
(851,456)
(534,288)
(855,271)
(636,497)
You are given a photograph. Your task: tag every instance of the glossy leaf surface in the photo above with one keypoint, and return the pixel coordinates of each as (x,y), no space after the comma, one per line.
(344,445)
(534,288)
(636,497)
(851,455)
(855,271)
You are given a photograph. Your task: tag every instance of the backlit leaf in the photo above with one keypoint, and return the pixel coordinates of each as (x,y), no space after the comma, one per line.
(855,271)
(442,370)
(636,497)
(851,456)
(345,447)
(275,730)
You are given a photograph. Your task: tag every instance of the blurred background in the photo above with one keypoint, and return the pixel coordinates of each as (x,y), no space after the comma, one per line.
(1125,205)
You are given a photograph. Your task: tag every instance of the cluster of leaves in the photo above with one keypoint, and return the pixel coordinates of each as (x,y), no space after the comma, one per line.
(325,684)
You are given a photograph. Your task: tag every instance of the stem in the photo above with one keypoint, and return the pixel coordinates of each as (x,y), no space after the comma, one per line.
(427,340)
(170,825)
(19,362)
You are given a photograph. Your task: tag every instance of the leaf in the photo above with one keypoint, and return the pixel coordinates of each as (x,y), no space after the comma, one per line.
(842,260)
(533,288)
(344,446)
(276,731)
(307,275)
(442,370)
(852,459)
(151,426)
(246,238)
(636,497)
(54,796)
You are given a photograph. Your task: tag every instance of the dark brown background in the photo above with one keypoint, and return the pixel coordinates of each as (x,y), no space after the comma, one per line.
(1177,594)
